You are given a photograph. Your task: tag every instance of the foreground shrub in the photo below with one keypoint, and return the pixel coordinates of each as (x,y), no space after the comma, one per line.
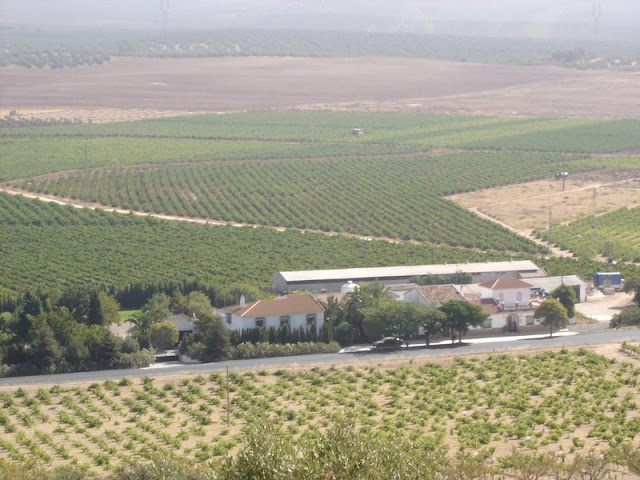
(341,452)
(264,350)
(626,318)
(143,358)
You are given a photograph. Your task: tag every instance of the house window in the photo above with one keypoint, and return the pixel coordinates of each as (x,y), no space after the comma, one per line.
(311,319)
(227,317)
(259,322)
(284,320)
(530,320)
(487,323)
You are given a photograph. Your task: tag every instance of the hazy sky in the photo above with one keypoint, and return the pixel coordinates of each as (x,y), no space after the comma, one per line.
(387,14)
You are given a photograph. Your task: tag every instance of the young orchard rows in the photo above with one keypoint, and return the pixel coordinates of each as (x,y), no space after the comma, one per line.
(614,234)
(396,197)
(568,402)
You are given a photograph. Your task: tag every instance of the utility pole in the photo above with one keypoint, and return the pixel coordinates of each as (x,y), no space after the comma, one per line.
(228,408)
(550,240)
(85,169)
(115,174)
(593,223)
(596,12)
(164,12)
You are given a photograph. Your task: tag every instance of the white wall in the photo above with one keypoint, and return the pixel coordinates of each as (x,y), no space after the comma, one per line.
(296,320)
(510,296)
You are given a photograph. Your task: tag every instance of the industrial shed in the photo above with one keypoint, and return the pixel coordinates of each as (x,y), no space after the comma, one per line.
(332,280)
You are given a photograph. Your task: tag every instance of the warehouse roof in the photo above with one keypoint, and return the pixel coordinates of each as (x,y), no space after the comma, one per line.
(408,271)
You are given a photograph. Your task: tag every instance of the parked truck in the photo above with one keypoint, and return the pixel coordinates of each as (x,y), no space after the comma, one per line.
(608,280)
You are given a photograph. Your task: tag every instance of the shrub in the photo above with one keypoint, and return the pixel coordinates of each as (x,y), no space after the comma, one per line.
(263,349)
(626,318)
(143,358)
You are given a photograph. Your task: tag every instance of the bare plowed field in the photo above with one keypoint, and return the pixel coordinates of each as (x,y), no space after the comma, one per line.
(177,86)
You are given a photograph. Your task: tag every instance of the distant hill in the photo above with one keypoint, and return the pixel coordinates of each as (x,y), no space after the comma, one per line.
(539,19)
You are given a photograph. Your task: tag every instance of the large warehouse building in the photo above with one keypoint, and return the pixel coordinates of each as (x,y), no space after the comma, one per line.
(332,280)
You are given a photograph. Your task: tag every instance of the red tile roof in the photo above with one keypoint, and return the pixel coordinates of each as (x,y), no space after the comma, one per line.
(439,294)
(505,284)
(287,305)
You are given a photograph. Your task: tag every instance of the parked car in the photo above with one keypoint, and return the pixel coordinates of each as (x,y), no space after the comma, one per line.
(388,342)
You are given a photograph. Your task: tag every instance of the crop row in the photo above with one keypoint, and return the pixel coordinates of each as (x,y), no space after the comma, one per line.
(26,156)
(615,234)
(555,401)
(32,151)
(54,246)
(397,197)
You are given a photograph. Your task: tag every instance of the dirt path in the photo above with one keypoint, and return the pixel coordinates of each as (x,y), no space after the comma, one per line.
(176,218)
(524,233)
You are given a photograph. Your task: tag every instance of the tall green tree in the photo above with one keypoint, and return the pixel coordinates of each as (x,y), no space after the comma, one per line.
(31,306)
(356,302)
(632,285)
(333,316)
(460,315)
(566,295)
(209,342)
(142,322)
(45,350)
(77,299)
(553,314)
(344,334)
(198,304)
(108,351)
(163,335)
(158,307)
(109,308)
(432,322)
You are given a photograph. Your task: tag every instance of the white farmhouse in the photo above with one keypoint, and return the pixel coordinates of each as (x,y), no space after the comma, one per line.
(508,303)
(296,311)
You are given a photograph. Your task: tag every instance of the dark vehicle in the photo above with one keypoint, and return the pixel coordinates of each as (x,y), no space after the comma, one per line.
(388,342)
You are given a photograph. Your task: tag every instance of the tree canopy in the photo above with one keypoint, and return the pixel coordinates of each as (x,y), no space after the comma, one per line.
(566,295)
(163,335)
(460,316)
(403,319)
(553,314)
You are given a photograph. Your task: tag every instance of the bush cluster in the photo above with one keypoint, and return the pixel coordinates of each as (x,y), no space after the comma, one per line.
(626,318)
(262,350)
(343,452)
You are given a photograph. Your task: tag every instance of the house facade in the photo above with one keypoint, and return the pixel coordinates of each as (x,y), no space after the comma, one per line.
(295,311)
(509,304)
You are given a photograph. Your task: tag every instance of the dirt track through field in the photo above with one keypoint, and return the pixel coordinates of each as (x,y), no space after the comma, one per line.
(176,218)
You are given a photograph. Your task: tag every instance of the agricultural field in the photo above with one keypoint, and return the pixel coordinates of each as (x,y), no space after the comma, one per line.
(365,84)
(267,135)
(308,171)
(526,206)
(52,246)
(565,402)
(358,196)
(615,234)
(285,170)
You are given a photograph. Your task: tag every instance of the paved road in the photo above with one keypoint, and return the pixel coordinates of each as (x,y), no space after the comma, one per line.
(587,335)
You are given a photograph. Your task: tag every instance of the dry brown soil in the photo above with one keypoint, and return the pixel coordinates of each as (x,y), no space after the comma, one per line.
(526,206)
(136,87)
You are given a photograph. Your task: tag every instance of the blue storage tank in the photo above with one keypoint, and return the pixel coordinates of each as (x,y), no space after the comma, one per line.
(608,279)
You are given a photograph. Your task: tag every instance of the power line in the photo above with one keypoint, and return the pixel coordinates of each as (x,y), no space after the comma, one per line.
(596,12)
(164,10)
